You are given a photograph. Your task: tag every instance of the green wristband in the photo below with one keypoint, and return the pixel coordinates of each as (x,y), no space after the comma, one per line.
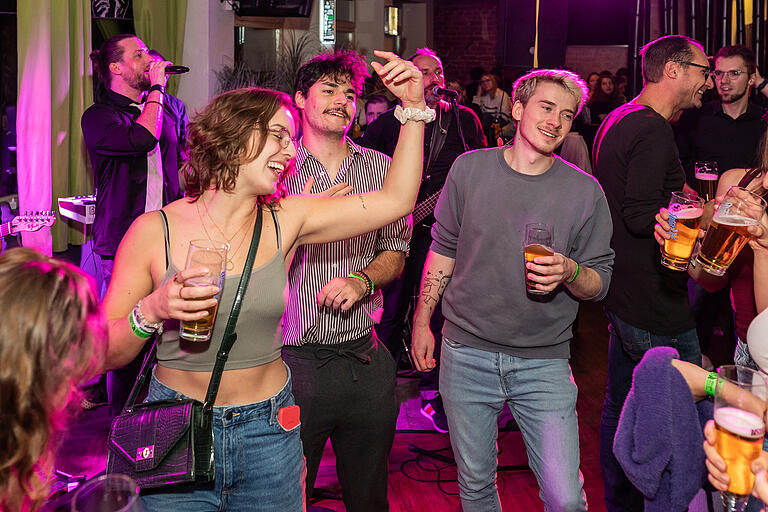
(137,330)
(575,274)
(364,278)
(710,384)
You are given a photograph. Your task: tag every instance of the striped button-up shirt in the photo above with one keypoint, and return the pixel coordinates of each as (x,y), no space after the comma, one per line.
(315,265)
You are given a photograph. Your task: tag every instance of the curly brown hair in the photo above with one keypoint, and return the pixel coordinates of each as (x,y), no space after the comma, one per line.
(53,336)
(219,139)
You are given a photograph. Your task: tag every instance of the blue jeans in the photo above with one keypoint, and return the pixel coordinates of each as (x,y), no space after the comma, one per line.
(626,346)
(541,394)
(259,464)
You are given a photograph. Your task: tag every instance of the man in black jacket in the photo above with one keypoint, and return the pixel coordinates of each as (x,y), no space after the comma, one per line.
(444,141)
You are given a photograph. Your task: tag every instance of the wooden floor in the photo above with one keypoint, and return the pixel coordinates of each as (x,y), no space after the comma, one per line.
(421,484)
(413,480)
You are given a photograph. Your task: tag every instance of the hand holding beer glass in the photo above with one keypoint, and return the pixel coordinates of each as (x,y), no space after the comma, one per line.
(728,232)
(538,242)
(684,219)
(706,179)
(212,256)
(740,395)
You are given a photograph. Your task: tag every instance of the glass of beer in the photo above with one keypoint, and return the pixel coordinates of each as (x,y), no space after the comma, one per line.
(706,179)
(538,242)
(740,395)
(114,492)
(727,234)
(212,256)
(684,218)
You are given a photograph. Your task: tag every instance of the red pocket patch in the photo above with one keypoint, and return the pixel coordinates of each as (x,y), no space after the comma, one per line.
(289,417)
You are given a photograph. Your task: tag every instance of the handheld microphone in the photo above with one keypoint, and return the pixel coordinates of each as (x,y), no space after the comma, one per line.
(176,70)
(442,91)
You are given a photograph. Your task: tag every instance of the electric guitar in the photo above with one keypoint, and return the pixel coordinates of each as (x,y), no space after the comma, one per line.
(28,222)
(423,209)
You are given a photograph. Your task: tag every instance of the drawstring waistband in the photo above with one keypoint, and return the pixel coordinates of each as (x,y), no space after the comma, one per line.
(358,350)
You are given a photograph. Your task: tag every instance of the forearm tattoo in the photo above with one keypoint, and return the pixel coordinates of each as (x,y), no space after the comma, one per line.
(433,286)
(363,202)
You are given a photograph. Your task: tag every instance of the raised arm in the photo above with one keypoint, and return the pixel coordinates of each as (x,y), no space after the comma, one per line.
(327,219)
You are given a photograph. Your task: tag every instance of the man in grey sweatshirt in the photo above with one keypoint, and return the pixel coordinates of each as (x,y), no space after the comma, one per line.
(500,342)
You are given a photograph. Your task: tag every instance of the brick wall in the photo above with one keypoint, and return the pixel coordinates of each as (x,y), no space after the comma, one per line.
(465,35)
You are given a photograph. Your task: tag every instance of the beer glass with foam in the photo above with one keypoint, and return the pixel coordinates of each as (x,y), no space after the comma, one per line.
(538,242)
(740,395)
(212,256)
(706,179)
(684,218)
(727,234)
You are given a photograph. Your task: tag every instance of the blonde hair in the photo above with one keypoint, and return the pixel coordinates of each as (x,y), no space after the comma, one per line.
(525,86)
(53,336)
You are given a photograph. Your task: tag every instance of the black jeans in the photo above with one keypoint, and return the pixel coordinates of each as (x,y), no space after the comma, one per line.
(346,392)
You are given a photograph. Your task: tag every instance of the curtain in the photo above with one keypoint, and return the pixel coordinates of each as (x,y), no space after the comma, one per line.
(161,26)
(54,88)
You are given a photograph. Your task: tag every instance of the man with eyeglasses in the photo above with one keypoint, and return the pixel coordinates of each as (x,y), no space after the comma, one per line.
(636,162)
(728,129)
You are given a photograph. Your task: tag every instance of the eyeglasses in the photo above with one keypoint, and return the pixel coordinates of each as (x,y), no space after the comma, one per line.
(733,74)
(706,69)
(283,136)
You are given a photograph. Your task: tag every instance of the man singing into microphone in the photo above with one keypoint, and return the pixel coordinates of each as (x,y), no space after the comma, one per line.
(444,141)
(135,149)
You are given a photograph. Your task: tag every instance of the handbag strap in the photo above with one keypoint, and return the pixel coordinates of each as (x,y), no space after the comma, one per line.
(230,336)
(229,333)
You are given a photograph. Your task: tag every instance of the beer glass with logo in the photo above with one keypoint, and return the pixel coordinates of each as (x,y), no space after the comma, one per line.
(727,234)
(684,218)
(706,179)
(212,256)
(740,395)
(538,242)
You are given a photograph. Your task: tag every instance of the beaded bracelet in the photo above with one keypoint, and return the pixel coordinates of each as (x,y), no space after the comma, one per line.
(575,274)
(142,322)
(710,384)
(153,101)
(364,278)
(371,287)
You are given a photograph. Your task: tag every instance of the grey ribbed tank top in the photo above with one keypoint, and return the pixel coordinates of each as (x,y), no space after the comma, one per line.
(259,326)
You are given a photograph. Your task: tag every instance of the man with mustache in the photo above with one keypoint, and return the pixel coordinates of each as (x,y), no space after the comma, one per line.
(444,141)
(636,161)
(343,379)
(135,146)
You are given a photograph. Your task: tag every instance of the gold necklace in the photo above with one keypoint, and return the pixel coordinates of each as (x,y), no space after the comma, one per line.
(230,255)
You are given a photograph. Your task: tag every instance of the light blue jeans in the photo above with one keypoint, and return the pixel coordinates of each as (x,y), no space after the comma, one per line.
(541,394)
(259,464)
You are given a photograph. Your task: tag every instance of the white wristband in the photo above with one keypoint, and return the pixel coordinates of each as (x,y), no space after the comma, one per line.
(414,114)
